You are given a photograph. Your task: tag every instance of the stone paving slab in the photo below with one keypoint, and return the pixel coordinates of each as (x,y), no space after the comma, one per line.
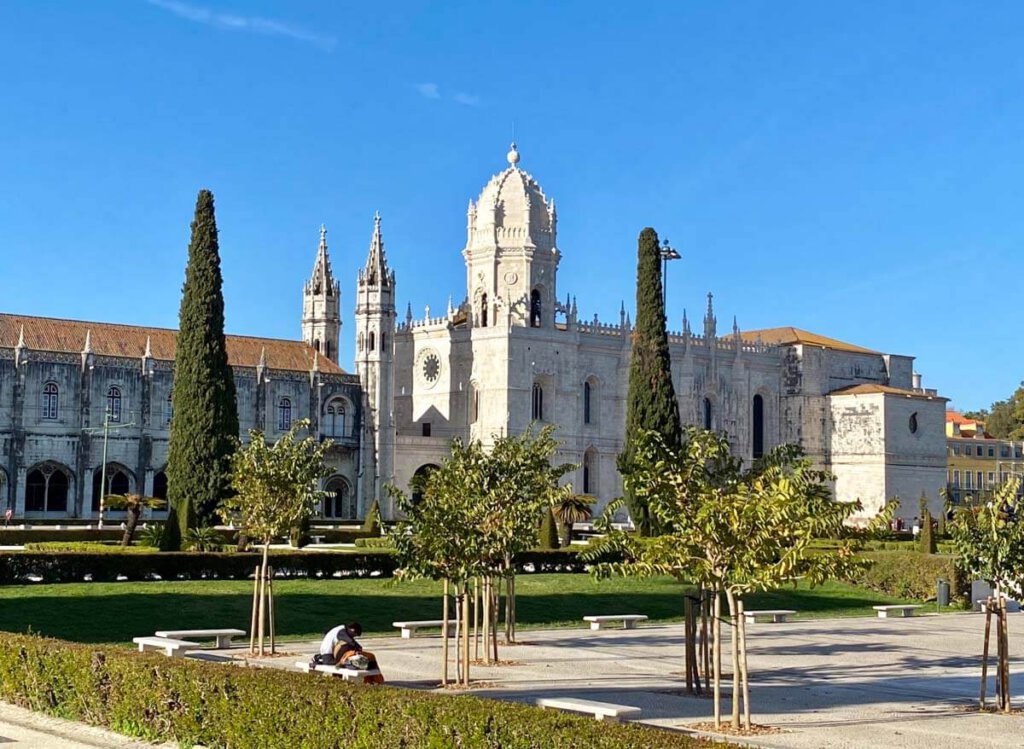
(24,729)
(834,683)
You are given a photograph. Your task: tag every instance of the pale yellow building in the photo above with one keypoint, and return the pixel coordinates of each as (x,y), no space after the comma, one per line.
(978,462)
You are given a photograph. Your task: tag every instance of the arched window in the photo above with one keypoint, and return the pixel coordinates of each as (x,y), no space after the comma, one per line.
(336,419)
(284,414)
(118,482)
(383,341)
(316,344)
(327,349)
(372,341)
(338,499)
(538,402)
(46,489)
(707,414)
(160,485)
(48,406)
(360,341)
(757,425)
(590,462)
(114,403)
(535,308)
(418,479)
(483,311)
(586,403)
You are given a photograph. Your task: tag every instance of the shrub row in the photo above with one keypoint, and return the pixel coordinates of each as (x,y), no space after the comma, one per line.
(74,566)
(193,702)
(19,536)
(910,574)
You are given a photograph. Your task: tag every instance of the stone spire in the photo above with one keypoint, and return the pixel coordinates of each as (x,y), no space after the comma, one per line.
(322,281)
(376,270)
(261,368)
(408,314)
(87,350)
(20,348)
(710,323)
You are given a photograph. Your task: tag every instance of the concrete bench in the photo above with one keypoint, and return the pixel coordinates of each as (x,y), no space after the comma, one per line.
(628,620)
(409,628)
(317,539)
(600,710)
(222,636)
(776,616)
(898,611)
(1012,607)
(349,674)
(171,648)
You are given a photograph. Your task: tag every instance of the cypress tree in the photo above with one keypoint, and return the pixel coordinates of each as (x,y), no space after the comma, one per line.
(549,531)
(651,403)
(204,429)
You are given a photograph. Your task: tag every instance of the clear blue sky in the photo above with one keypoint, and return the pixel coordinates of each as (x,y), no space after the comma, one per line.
(853,169)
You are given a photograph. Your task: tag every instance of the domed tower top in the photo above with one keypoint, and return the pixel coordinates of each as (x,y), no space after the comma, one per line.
(512,212)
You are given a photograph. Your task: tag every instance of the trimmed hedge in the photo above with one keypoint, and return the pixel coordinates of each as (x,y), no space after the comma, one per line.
(74,566)
(18,536)
(911,574)
(192,702)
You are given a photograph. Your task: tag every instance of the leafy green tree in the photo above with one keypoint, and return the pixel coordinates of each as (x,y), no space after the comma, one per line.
(275,490)
(548,530)
(572,509)
(988,539)
(474,514)
(133,505)
(1006,417)
(732,530)
(204,429)
(651,402)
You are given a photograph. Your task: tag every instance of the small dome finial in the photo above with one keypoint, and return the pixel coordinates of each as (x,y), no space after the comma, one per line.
(513,155)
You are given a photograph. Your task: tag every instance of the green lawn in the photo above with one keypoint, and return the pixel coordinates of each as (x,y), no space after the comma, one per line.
(116,612)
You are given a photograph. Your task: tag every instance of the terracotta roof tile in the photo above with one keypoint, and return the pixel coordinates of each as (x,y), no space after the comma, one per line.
(788,336)
(112,339)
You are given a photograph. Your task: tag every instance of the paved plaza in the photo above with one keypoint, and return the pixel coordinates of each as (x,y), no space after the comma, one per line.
(853,683)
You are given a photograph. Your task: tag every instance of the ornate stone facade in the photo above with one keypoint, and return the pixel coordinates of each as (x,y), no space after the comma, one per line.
(510,354)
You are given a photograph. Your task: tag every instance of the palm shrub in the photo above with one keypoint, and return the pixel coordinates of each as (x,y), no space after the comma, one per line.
(133,505)
(152,536)
(204,538)
(572,509)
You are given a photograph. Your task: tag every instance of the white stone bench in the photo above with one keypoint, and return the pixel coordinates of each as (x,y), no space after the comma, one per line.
(409,628)
(171,648)
(628,620)
(898,610)
(222,636)
(318,539)
(600,710)
(349,674)
(1012,607)
(776,616)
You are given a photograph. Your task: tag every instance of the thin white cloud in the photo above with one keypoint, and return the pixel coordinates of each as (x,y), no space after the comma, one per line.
(253,24)
(428,90)
(467,100)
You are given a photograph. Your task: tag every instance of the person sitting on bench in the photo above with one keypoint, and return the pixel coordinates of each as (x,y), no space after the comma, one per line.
(340,648)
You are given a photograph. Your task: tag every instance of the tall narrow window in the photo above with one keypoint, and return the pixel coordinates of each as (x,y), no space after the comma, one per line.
(168,409)
(758,427)
(160,485)
(49,404)
(483,311)
(335,421)
(383,341)
(284,414)
(372,341)
(114,403)
(535,309)
(589,472)
(707,413)
(586,402)
(538,402)
(474,403)
(46,489)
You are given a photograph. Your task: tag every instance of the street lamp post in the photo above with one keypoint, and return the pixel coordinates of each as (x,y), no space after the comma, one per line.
(103,467)
(667,253)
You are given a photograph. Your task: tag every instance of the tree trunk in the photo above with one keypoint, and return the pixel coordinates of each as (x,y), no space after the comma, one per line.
(255,609)
(130,525)
(705,649)
(1005,653)
(444,634)
(263,595)
(494,618)
(270,608)
(984,652)
(716,655)
(458,636)
(690,654)
(485,629)
(734,654)
(744,677)
(465,634)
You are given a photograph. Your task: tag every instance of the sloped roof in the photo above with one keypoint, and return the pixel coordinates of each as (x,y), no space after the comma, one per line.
(873,388)
(113,339)
(788,336)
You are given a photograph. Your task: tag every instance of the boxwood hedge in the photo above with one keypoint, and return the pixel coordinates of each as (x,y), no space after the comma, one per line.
(193,702)
(76,566)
